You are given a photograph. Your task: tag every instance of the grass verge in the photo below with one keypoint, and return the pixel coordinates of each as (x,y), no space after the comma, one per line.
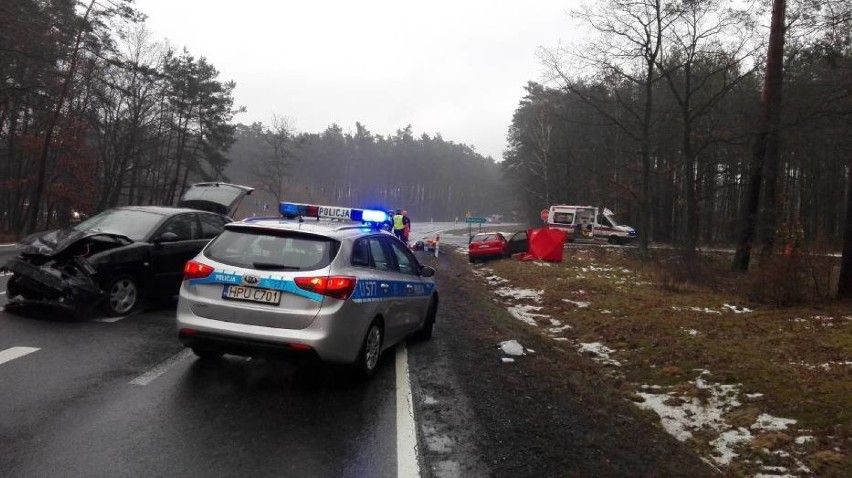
(673,328)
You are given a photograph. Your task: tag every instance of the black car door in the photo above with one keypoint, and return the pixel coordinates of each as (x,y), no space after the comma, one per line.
(518,243)
(169,254)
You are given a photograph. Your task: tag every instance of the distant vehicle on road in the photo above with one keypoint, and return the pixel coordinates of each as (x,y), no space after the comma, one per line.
(117,257)
(495,245)
(342,292)
(589,224)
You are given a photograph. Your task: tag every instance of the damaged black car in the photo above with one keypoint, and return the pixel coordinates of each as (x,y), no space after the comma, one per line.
(117,258)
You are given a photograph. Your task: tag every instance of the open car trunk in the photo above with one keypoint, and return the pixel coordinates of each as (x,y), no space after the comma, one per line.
(219,198)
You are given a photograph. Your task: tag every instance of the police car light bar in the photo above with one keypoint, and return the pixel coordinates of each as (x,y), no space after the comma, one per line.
(332,212)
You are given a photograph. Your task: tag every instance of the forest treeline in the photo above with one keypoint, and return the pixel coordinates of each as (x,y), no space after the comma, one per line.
(660,108)
(699,122)
(94,113)
(430,177)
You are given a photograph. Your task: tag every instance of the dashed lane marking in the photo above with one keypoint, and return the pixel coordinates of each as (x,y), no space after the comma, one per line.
(110,320)
(406,431)
(161,368)
(15,352)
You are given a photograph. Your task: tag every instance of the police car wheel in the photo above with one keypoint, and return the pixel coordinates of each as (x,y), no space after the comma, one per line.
(425,332)
(613,240)
(371,348)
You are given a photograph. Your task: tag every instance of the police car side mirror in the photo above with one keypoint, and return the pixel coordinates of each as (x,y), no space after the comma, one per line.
(426,271)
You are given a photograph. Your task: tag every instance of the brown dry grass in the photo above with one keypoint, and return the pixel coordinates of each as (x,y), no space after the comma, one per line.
(654,312)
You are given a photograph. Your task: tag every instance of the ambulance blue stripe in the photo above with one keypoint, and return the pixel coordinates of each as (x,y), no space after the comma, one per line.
(285,285)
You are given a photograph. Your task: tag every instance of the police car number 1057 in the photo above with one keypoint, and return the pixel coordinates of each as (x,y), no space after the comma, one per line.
(251,294)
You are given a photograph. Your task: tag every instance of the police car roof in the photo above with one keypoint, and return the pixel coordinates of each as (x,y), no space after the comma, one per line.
(323,227)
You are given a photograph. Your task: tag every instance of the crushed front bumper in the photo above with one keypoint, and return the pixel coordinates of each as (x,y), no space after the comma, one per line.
(47,286)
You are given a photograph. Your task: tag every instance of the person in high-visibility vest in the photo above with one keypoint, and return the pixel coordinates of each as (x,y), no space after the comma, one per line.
(398,224)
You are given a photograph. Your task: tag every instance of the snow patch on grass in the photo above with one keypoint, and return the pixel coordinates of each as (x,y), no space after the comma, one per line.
(600,352)
(560,329)
(524,313)
(519,294)
(697,309)
(683,415)
(579,304)
(766,422)
(737,309)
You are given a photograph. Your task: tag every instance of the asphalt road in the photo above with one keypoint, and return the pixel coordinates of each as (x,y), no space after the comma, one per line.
(122,397)
(106,397)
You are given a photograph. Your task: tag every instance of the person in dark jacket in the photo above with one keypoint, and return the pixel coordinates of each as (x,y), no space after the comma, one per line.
(406,226)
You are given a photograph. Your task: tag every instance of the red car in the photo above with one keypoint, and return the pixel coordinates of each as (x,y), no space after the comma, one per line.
(494,245)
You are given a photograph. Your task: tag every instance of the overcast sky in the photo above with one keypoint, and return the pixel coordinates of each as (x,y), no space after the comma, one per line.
(452,67)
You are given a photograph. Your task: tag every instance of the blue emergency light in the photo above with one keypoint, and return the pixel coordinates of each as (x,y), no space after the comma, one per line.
(372,216)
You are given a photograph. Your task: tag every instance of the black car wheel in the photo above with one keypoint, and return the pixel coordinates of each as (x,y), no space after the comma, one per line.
(371,349)
(12,287)
(425,332)
(122,296)
(614,240)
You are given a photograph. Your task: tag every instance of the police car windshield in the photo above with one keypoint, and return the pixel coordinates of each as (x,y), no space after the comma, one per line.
(272,250)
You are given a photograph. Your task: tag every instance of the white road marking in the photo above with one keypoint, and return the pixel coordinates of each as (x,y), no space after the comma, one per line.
(110,320)
(161,368)
(406,431)
(15,352)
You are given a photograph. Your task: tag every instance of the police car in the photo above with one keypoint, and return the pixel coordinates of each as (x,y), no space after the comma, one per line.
(321,281)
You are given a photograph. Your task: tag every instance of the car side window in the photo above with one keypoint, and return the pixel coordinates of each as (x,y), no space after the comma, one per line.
(184,226)
(361,253)
(380,260)
(211,225)
(404,259)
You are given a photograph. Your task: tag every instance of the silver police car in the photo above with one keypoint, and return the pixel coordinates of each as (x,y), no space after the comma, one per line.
(340,291)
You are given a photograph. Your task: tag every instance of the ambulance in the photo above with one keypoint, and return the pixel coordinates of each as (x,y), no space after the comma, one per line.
(589,224)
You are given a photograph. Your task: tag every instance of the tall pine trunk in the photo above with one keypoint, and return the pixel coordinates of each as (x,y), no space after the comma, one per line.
(765,144)
(844,285)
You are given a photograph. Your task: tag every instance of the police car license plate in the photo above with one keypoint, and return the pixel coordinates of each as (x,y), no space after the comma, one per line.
(251,294)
